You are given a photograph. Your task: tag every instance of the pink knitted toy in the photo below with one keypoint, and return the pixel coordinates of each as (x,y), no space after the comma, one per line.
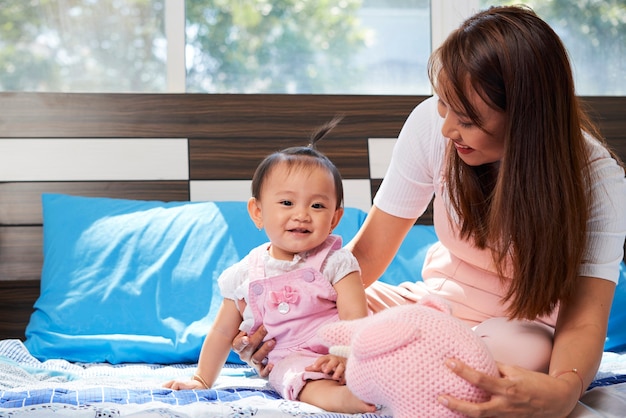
(396,358)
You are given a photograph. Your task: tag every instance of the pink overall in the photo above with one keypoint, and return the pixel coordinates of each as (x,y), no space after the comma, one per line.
(293,306)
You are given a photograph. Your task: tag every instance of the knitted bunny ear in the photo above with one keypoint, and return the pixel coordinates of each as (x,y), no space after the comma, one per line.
(339,333)
(437,303)
(385,332)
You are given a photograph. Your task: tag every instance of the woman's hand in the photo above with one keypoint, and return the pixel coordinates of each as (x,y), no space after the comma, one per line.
(334,366)
(516,393)
(254,351)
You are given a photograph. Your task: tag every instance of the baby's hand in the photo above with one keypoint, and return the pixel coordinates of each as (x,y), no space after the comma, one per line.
(331,365)
(183,385)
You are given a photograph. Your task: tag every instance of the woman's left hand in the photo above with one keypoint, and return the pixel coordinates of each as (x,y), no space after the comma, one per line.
(516,393)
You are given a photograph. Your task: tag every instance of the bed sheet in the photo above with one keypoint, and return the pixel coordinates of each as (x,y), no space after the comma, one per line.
(58,388)
(52,388)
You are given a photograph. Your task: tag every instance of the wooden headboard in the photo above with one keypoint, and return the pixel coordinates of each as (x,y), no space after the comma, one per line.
(176,147)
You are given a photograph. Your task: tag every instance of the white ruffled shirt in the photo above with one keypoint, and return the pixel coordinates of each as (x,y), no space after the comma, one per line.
(234,281)
(415,172)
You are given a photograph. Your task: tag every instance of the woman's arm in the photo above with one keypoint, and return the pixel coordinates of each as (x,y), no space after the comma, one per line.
(377,242)
(578,344)
(580,333)
(351,304)
(351,301)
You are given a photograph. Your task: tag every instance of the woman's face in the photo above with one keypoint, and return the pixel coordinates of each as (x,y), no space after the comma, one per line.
(474,145)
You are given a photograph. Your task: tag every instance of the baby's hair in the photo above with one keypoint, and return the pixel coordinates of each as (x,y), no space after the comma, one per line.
(322,131)
(301,157)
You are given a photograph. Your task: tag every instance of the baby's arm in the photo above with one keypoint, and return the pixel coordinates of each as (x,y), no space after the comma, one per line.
(215,349)
(351,304)
(351,301)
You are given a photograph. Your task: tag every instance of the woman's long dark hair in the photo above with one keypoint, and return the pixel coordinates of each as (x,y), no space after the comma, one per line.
(531,208)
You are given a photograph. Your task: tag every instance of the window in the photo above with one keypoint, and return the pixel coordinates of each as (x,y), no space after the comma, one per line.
(82,45)
(287,46)
(594,33)
(269,46)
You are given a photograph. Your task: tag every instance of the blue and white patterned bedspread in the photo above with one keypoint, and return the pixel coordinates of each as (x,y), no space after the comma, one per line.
(58,388)
(30,388)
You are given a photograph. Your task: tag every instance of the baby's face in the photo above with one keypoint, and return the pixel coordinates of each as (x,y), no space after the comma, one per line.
(298,207)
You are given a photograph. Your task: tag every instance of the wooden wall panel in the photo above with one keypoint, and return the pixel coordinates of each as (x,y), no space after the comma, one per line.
(15,316)
(21,257)
(610,115)
(21,201)
(94,159)
(224,159)
(112,115)
(228,135)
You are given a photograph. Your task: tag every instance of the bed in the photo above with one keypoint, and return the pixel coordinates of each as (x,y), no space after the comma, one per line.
(117,213)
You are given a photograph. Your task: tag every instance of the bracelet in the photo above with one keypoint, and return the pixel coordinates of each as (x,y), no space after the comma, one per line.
(575,371)
(199,378)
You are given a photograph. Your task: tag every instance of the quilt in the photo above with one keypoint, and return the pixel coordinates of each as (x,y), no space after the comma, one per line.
(29,387)
(55,387)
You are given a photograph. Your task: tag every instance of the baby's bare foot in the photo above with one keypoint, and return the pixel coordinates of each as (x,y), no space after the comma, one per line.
(331,396)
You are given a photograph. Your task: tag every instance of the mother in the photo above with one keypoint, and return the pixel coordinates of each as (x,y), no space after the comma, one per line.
(528,206)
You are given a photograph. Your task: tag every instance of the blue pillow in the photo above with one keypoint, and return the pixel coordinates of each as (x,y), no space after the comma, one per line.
(135,281)
(408,261)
